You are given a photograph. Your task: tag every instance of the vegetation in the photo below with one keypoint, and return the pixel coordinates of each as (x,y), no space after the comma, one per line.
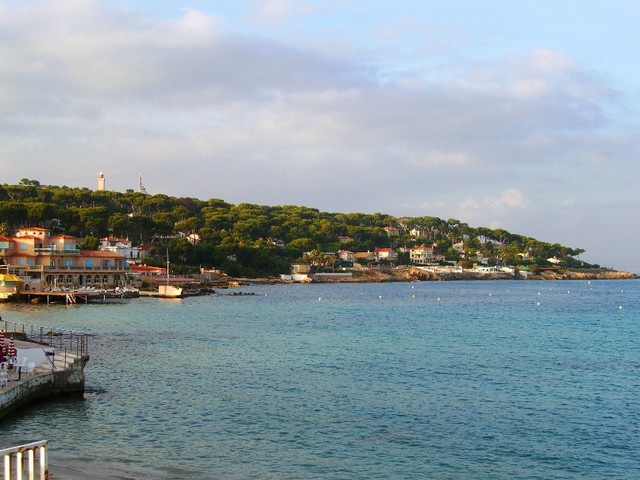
(253,240)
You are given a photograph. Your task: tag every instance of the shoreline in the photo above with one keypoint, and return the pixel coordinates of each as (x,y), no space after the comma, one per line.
(439,274)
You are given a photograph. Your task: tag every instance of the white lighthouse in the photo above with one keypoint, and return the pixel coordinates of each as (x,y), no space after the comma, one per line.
(101,182)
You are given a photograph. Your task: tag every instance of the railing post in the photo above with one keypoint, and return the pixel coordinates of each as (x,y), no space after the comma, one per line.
(44,468)
(19,465)
(7,466)
(32,464)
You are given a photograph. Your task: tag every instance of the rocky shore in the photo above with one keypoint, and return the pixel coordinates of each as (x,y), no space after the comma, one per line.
(413,274)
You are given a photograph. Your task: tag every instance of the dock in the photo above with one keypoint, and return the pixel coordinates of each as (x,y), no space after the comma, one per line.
(70,297)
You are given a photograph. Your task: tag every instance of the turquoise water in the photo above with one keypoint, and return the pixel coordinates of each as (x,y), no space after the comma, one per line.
(455,380)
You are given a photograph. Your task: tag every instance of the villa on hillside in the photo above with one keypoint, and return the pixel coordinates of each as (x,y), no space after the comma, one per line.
(44,260)
(424,255)
(124,247)
(387,254)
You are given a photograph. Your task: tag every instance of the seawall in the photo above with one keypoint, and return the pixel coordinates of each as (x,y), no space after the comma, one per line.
(67,378)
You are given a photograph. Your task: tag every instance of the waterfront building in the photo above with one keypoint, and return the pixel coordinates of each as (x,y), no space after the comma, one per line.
(43,260)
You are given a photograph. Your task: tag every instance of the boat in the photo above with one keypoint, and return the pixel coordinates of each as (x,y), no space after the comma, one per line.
(169,291)
(10,286)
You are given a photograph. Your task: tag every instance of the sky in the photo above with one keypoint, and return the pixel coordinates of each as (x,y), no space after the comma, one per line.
(514,115)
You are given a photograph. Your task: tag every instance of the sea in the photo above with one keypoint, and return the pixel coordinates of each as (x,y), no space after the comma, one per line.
(425,380)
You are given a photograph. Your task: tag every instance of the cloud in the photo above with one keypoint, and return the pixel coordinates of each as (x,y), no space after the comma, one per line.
(278,11)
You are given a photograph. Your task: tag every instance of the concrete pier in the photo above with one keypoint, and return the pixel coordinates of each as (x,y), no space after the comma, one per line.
(62,375)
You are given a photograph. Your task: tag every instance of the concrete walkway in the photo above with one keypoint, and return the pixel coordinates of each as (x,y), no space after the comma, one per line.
(64,376)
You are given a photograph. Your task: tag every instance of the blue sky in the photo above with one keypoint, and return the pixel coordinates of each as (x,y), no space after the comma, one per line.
(513,115)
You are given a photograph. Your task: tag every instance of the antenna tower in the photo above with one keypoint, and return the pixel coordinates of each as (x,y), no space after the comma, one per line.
(141,188)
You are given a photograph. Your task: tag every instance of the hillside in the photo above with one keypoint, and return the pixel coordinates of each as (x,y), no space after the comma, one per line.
(256,240)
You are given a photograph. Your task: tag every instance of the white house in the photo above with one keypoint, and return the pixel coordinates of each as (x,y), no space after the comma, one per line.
(422,254)
(123,247)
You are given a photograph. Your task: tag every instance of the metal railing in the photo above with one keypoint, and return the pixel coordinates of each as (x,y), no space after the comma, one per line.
(35,466)
(67,340)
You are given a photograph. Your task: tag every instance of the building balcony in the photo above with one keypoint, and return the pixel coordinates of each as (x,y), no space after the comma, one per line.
(55,251)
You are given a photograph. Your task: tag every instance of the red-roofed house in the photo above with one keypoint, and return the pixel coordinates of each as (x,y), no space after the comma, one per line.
(387,254)
(44,260)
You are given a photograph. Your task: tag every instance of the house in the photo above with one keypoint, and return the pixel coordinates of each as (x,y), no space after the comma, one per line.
(148,270)
(346,255)
(124,247)
(44,260)
(392,231)
(458,247)
(365,256)
(385,254)
(344,239)
(300,268)
(422,255)
(276,242)
(417,232)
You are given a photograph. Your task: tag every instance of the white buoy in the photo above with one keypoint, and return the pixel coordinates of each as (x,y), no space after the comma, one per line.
(620,307)
(319,298)
(538,303)
(379,296)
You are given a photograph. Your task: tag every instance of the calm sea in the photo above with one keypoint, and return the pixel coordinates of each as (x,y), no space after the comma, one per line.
(448,380)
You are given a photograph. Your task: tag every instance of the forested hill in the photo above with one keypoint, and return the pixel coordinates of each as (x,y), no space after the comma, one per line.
(254,240)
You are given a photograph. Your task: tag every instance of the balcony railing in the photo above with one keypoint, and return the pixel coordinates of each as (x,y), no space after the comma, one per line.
(55,251)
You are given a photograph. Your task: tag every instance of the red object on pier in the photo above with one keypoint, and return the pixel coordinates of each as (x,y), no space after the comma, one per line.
(12,348)
(2,345)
